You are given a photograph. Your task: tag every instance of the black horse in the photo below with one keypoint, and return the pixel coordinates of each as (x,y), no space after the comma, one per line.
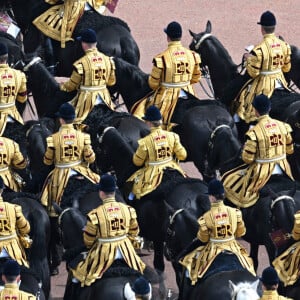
(40,233)
(196,119)
(111,285)
(227,82)
(152,209)
(113,35)
(182,229)
(278,200)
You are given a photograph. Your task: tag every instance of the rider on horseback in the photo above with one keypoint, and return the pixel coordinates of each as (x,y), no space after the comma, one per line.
(12,89)
(71,152)
(14,231)
(91,75)
(156,152)
(11,158)
(288,263)
(270,282)
(110,234)
(265,65)
(264,152)
(12,279)
(60,20)
(174,71)
(218,228)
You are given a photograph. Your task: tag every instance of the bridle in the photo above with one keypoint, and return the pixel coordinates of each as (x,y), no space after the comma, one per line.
(283,197)
(100,138)
(171,233)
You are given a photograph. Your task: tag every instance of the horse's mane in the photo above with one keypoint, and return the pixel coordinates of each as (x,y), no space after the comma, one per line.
(222,51)
(119,269)
(15,196)
(97,22)
(133,71)
(9,37)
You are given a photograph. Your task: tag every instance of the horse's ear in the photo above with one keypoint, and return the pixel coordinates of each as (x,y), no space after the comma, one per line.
(254,285)
(232,285)
(281,37)
(192,33)
(208,27)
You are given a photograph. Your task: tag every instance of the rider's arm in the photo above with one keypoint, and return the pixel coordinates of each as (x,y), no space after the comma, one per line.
(289,140)
(21,222)
(179,150)
(287,59)
(196,72)
(140,154)
(241,229)
(296,229)
(18,161)
(155,76)
(250,148)
(90,229)
(49,154)
(75,80)
(22,92)
(254,63)
(112,75)
(203,232)
(88,152)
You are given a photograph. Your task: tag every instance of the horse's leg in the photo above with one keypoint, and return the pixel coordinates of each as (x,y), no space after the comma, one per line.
(55,252)
(254,254)
(159,266)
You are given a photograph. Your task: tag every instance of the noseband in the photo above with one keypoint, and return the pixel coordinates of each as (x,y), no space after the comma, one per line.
(34,61)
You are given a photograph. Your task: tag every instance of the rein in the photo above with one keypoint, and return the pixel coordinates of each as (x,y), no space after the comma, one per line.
(100,138)
(283,197)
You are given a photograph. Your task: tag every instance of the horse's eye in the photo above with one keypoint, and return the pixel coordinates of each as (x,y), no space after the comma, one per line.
(195,41)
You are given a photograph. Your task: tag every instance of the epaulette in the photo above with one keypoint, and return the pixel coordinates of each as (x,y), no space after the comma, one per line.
(93,217)
(158,62)
(78,67)
(50,141)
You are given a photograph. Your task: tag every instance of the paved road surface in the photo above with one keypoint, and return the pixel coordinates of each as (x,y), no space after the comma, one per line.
(233,22)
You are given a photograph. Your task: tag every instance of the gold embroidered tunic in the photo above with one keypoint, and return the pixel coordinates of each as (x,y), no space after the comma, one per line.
(12,225)
(12,89)
(272,295)
(287,264)
(91,75)
(60,20)
(156,152)
(219,227)
(267,144)
(11,158)
(110,228)
(11,292)
(68,149)
(270,59)
(175,69)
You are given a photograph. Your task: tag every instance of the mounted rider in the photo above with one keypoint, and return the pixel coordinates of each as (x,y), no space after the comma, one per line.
(110,234)
(60,20)
(91,75)
(287,264)
(264,154)
(218,228)
(14,231)
(12,279)
(11,159)
(174,71)
(265,64)
(270,283)
(71,152)
(12,88)
(156,152)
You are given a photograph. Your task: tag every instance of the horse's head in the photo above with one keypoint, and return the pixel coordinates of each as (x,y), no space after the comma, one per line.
(71,222)
(224,149)
(198,38)
(182,229)
(244,290)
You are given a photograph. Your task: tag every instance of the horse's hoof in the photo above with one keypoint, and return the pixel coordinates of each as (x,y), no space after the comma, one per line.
(54,272)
